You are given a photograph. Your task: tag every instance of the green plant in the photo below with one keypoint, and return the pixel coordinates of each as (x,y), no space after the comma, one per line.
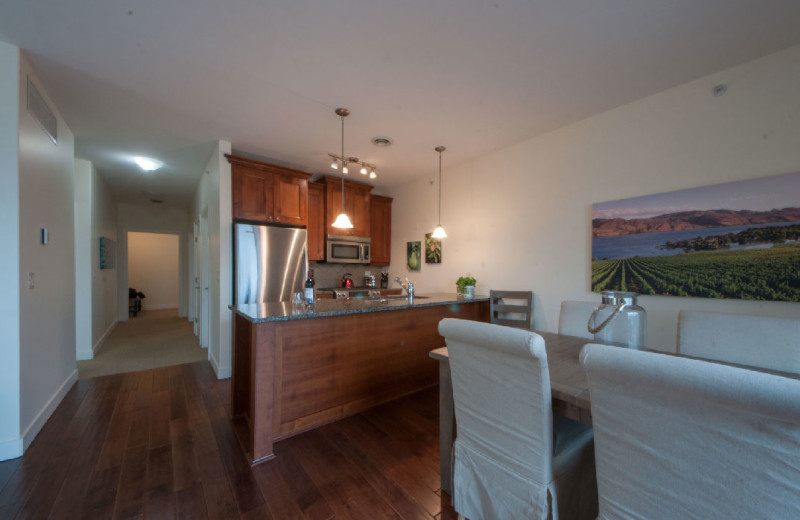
(464,281)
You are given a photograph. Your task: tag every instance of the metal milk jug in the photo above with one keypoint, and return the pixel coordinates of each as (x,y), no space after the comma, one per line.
(618,320)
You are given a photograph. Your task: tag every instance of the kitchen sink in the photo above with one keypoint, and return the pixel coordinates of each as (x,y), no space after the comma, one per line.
(400,297)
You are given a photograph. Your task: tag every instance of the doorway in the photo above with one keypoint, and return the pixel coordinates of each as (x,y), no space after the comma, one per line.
(154,334)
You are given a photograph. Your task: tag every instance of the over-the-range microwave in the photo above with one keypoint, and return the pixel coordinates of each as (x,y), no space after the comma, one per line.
(348,250)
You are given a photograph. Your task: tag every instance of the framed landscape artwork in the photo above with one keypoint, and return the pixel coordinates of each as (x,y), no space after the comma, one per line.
(735,240)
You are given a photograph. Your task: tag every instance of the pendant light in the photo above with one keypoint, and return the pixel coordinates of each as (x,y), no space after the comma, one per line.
(439,232)
(343,221)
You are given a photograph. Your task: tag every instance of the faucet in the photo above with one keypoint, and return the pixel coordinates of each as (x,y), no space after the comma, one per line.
(409,287)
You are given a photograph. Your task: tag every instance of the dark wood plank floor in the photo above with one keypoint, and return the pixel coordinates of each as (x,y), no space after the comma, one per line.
(161,444)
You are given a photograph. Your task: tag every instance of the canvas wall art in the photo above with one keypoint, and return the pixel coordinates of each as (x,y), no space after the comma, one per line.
(413,256)
(108,253)
(433,249)
(736,240)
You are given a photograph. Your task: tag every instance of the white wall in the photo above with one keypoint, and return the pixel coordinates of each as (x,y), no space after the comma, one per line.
(153,268)
(83,253)
(520,218)
(10,441)
(47,312)
(213,196)
(151,218)
(104,281)
(95,288)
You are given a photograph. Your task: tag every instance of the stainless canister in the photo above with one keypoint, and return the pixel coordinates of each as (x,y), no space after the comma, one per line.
(618,320)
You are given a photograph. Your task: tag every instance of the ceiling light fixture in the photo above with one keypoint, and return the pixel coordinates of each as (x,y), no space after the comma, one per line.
(439,232)
(148,164)
(366,168)
(380,140)
(343,221)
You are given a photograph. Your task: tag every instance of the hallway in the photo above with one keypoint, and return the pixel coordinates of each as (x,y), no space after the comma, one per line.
(153,339)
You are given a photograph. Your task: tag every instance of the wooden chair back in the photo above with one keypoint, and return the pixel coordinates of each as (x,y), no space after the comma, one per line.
(511,308)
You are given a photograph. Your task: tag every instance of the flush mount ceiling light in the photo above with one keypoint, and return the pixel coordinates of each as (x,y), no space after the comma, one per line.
(342,221)
(380,140)
(148,164)
(439,232)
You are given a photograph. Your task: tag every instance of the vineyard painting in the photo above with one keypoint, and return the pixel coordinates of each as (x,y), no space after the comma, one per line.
(736,240)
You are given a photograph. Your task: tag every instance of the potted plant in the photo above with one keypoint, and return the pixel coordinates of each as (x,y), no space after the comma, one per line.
(465,286)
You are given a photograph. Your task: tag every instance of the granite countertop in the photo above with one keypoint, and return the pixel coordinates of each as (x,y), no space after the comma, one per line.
(282,311)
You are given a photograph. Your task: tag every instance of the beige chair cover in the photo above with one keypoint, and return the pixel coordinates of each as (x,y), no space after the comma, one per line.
(508,463)
(574,318)
(771,343)
(680,438)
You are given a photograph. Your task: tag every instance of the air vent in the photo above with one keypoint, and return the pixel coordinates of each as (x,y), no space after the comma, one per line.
(41,112)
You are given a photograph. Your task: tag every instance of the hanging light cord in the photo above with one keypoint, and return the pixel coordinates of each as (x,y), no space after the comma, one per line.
(343,163)
(440,189)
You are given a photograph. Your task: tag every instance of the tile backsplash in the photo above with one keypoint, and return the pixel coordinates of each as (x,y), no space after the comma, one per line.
(330,275)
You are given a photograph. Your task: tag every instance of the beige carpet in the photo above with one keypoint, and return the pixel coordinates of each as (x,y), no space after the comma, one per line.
(153,339)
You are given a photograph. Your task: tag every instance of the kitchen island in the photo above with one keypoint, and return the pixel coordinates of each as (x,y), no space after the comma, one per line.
(297,369)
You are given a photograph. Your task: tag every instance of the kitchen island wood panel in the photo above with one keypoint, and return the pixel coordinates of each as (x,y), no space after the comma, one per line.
(292,376)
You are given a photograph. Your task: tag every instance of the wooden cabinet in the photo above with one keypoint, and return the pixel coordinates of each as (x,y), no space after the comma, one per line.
(380,209)
(316,222)
(356,205)
(268,193)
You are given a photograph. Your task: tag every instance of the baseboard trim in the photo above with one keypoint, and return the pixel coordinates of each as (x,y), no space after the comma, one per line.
(159,306)
(83,355)
(103,338)
(10,449)
(39,421)
(222,372)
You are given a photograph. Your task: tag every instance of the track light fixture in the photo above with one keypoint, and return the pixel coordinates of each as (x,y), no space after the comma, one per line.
(366,168)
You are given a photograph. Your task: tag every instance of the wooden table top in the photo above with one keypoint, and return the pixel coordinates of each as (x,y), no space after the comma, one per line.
(568,381)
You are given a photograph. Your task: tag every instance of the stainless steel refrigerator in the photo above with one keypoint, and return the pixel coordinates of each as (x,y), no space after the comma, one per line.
(270,263)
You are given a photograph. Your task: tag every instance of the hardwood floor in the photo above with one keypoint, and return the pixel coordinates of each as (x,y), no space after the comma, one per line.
(160,444)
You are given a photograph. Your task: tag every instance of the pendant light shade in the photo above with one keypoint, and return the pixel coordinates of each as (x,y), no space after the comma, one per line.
(342,221)
(439,232)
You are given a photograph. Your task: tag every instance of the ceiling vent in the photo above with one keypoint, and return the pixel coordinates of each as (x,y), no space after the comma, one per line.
(38,108)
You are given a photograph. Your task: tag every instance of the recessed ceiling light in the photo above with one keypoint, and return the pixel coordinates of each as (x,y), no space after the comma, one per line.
(148,164)
(382,141)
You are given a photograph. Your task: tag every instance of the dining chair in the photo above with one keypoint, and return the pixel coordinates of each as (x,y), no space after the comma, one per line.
(574,318)
(511,308)
(513,458)
(690,439)
(759,341)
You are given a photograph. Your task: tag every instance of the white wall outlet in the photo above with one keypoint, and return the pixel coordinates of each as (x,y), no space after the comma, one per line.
(30,281)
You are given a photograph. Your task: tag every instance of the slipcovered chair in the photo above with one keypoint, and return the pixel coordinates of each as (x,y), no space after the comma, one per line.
(574,318)
(758,341)
(513,458)
(686,438)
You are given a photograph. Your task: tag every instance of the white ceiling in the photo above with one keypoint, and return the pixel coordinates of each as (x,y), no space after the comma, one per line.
(167,78)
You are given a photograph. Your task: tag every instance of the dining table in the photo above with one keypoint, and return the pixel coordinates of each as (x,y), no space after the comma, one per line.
(569,390)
